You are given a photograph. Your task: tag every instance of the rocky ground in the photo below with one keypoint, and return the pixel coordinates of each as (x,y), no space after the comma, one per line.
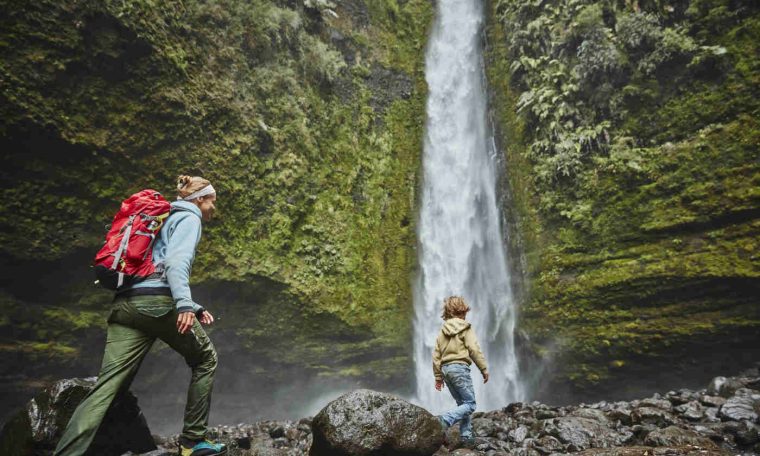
(721,419)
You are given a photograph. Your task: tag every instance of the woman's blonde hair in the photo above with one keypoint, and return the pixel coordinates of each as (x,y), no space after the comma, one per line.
(454,306)
(187,185)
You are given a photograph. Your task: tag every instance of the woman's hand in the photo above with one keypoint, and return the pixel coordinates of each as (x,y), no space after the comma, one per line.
(185,321)
(485,377)
(207,318)
(438,385)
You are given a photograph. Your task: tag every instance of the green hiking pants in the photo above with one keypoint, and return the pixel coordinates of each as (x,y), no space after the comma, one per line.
(133,326)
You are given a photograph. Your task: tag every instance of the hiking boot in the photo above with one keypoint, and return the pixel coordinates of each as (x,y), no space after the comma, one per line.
(201,448)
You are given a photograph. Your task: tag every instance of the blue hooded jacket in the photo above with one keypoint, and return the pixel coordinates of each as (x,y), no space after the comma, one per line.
(174,252)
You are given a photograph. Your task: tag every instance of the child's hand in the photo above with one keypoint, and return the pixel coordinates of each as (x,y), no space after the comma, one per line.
(485,377)
(438,385)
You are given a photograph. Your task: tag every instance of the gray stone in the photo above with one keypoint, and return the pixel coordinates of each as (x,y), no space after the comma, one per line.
(693,411)
(593,414)
(745,405)
(620,412)
(365,422)
(711,415)
(653,415)
(582,433)
(656,402)
(673,436)
(37,428)
(525,452)
(709,430)
(649,451)
(464,452)
(712,401)
(519,434)
(725,387)
(548,444)
(483,427)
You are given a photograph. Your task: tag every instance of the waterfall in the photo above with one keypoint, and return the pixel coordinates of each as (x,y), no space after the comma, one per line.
(461,246)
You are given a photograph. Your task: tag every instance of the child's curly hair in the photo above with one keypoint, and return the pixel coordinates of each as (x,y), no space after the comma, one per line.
(454,306)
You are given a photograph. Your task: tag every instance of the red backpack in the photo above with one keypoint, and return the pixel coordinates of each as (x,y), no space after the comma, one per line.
(127,256)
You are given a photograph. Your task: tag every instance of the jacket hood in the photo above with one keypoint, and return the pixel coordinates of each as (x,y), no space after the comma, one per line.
(454,326)
(181,205)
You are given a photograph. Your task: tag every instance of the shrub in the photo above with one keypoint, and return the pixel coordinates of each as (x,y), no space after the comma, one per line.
(639,32)
(598,59)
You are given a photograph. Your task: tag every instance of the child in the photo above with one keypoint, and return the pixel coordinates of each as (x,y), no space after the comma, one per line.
(455,349)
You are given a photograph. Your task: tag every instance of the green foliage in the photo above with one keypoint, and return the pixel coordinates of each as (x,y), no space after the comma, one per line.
(316,188)
(638,201)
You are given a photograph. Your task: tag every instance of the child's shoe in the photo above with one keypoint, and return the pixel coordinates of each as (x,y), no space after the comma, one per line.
(202,448)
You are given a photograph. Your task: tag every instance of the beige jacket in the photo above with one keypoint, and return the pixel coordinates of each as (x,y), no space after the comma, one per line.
(456,343)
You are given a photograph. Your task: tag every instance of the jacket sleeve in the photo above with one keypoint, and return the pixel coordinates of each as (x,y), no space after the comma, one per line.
(473,347)
(180,253)
(437,359)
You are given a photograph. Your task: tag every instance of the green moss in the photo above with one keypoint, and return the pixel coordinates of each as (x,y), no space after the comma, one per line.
(316,184)
(649,240)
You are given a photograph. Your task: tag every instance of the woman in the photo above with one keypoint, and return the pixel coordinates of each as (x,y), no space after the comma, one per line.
(159,307)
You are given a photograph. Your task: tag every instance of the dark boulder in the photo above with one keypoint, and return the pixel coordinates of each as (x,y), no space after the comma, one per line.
(744,433)
(365,422)
(37,428)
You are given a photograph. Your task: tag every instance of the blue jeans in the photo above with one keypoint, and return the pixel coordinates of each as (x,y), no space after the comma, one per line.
(459,382)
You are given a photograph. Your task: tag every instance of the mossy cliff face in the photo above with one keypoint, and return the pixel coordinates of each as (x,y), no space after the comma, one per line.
(306,115)
(631,135)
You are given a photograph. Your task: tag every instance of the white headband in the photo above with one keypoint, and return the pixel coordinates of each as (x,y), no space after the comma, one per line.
(207,190)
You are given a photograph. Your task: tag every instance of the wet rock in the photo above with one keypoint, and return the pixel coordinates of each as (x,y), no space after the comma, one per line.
(582,433)
(745,405)
(656,402)
(620,412)
(693,410)
(37,428)
(525,452)
(590,413)
(545,414)
(745,433)
(464,452)
(649,451)
(712,401)
(277,431)
(725,387)
(519,434)
(483,427)
(711,415)
(709,430)
(365,422)
(548,444)
(673,436)
(681,396)
(641,430)
(653,415)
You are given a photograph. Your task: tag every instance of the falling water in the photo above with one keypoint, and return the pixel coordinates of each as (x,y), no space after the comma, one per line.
(461,245)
